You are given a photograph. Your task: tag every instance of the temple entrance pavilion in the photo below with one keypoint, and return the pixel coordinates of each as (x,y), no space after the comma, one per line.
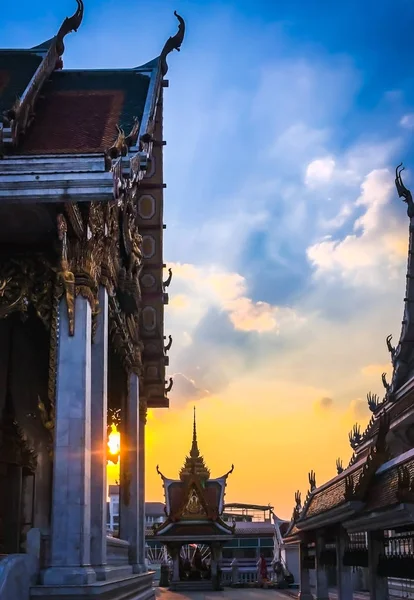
(194,507)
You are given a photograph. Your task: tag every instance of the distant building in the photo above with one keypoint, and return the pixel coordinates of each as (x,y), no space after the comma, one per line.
(154,511)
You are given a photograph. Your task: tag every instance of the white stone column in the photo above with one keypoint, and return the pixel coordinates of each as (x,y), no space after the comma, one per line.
(99,407)
(305,588)
(344,573)
(71,509)
(378,586)
(321,574)
(141,486)
(129,506)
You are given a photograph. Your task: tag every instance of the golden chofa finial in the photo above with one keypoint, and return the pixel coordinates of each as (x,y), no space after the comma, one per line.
(69,24)
(173,43)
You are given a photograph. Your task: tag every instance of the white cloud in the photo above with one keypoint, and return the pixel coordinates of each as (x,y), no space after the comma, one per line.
(376,250)
(407,121)
(320,171)
(211,286)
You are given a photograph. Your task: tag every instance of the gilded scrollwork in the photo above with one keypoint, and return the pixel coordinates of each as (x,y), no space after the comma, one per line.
(130,271)
(96,244)
(25,281)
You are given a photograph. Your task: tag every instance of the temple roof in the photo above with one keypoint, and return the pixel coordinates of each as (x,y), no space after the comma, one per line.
(80,111)
(194,500)
(17,67)
(44,110)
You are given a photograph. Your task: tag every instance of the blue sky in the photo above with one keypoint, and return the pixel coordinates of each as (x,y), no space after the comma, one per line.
(284,122)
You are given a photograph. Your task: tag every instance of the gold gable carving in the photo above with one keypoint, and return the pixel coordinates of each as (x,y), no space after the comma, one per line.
(193,507)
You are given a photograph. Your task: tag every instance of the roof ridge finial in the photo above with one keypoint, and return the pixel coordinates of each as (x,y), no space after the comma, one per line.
(173,43)
(195,453)
(69,24)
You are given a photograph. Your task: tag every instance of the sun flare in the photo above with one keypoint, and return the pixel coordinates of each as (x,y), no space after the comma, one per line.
(114,441)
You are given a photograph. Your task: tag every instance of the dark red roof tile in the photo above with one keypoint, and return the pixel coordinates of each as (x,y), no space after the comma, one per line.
(383,492)
(330,496)
(70,122)
(79,111)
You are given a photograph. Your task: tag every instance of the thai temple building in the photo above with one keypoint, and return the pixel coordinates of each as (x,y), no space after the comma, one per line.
(81,315)
(194,506)
(361,523)
(201,538)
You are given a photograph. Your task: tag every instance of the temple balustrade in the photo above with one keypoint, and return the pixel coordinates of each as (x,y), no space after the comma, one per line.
(380,562)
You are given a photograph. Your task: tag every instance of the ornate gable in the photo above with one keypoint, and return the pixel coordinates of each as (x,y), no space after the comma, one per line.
(194,498)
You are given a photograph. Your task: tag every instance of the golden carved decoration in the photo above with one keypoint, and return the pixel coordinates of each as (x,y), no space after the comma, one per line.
(25,281)
(193,506)
(97,244)
(132,137)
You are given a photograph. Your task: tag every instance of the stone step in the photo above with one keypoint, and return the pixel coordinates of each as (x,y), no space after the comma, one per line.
(193,586)
(132,587)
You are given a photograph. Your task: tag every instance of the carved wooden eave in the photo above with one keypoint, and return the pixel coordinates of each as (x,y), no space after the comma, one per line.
(69,178)
(338,514)
(396,516)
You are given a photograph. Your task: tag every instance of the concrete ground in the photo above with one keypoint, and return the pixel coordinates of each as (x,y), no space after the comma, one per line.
(228,594)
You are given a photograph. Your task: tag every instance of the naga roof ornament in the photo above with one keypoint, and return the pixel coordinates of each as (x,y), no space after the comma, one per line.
(173,43)
(69,24)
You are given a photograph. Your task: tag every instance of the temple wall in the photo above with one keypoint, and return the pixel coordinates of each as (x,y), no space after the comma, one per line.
(30,363)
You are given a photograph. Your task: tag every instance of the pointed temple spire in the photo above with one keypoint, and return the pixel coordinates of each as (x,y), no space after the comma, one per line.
(194,463)
(195,452)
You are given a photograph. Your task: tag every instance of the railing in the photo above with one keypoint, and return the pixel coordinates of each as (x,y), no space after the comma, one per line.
(244,576)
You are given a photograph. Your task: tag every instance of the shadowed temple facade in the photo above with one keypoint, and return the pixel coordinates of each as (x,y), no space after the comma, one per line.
(360,525)
(82,301)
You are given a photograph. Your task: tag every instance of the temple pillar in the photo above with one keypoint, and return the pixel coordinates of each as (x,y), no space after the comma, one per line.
(129,518)
(71,509)
(378,586)
(141,486)
(321,574)
(99,407)
(305,587)
(344,573)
